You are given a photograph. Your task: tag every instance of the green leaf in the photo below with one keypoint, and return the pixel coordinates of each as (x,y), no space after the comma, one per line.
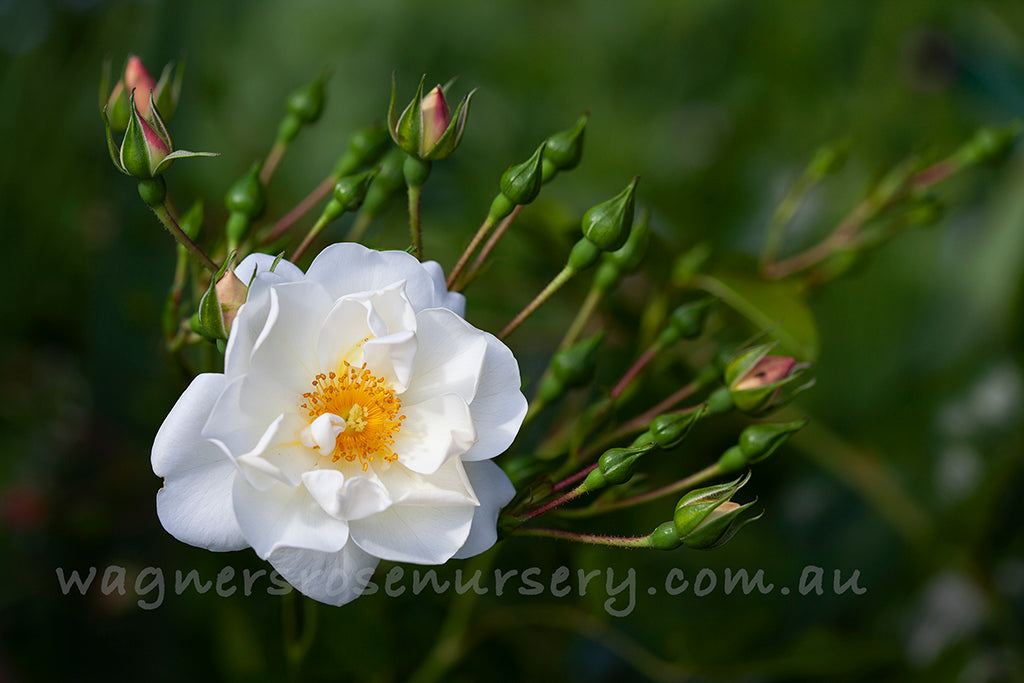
(777,308)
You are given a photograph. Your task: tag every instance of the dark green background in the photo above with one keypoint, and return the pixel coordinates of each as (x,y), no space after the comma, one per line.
(909,474)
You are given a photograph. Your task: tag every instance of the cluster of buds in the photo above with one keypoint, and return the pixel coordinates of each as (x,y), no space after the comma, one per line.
(146,150)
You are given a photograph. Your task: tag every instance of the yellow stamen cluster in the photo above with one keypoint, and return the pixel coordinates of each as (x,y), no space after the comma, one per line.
(369,407)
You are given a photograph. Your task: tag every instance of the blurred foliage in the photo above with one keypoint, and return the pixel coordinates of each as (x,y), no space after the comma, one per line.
(909,473)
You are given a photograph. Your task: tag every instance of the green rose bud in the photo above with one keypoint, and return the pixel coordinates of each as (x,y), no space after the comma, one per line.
(607,224)
(350,191)
(521,183)
(719,526)
(565,148)
(668,431)
(696,505)
(575,365)
(427,129)
(759,383)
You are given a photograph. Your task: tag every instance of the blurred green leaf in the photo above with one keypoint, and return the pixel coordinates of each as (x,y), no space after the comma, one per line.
(779,308)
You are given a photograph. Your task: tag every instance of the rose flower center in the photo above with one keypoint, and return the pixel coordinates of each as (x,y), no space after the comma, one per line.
(353,415)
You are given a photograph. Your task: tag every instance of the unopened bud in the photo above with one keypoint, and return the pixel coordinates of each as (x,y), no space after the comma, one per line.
(564,148)
(607,224)
(759,383)
(575,365)
(522,183)
(427,129)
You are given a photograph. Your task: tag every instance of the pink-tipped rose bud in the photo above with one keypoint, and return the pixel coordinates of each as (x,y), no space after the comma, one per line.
(231,293)
(137,79)
(759,383)
(436,117)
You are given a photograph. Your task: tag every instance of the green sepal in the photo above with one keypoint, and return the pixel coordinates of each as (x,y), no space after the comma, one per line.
(181,154)
(521,183)
(607,224)
(696,505)
(717,530)
(115,154)
(407,130)
(168,89)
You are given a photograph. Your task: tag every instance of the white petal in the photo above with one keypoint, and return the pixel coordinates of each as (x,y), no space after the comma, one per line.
(493,488)
(347,268)
(433,432)
(286,351)
(393,307)
(448,486)
(260,265)
(414,533)
(249,323)
(195,503)
(239,430)
(498,408)
(285,516)
(449,356)
(442,297)
(349,325)
(279,454)
(351,498)
(323,432)
(392,358)
(331,578)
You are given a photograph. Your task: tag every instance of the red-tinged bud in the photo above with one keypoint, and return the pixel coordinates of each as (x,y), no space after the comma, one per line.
(138,80)
(759,383)
(427,129)
(436,117)
(231,293)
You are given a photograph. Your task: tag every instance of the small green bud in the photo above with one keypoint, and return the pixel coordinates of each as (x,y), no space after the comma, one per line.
(575,365)
(307,103)
(550,389)
(690,263)
(388,181)
(350,191)
(758,441)
(607,224)
(565,148)
(669,430)
(248,196)
(365,147)
(616,464)
(583,255)
(629,256)
(665,537)
(686,321)
(521,183)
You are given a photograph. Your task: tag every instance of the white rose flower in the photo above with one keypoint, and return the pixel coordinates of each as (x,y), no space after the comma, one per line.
(355,421)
